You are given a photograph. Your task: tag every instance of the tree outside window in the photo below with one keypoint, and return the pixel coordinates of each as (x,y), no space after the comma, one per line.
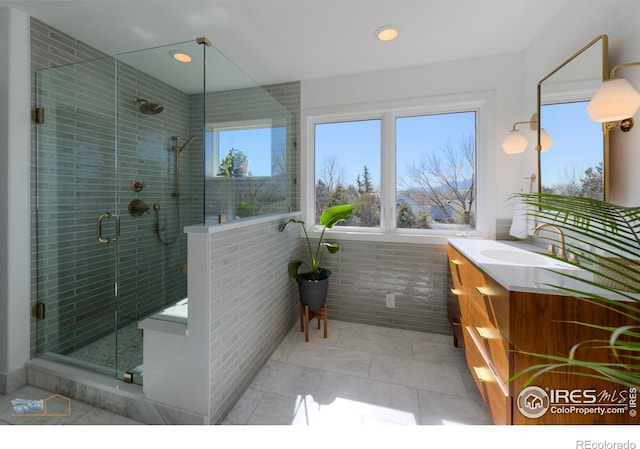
(435,183)
(348,169)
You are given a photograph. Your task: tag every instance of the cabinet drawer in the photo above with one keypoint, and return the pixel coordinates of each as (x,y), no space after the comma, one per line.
(492,393)
(455,318)
(458,266)
(489,340)
(491,299)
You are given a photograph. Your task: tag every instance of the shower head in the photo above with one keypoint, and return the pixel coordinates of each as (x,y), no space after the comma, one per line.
(147,107)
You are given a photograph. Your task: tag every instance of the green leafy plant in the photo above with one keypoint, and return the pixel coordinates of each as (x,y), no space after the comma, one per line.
(607,239)
(244,210)
(232,163)
(329,218)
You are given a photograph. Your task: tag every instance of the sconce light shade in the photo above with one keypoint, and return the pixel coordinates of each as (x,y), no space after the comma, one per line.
(545,140)
(615,100)
(514,143)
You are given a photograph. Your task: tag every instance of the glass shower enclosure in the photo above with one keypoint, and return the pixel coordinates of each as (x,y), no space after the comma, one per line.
(129,152)
(119,174)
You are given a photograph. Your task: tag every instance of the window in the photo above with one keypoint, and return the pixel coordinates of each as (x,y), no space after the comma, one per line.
(246,169)
(435,171)
(406,171)
(247,148)
(347,169)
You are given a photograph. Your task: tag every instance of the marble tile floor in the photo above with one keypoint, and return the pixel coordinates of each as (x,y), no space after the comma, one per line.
(360,375)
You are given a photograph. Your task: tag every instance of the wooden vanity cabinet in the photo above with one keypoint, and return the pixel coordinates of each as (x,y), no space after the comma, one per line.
(481,318)
(498,326)
(457,301)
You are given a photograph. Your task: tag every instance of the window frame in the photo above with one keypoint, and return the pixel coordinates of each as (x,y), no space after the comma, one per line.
(481,103)
(215,128)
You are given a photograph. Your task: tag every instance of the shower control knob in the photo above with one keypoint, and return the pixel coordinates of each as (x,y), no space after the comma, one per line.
(137,207)
(137,186)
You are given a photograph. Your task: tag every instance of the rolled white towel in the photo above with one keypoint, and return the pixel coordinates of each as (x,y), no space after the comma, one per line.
(522,225)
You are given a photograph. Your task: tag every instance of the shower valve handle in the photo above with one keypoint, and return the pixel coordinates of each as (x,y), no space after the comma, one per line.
(137,186)
(137,207)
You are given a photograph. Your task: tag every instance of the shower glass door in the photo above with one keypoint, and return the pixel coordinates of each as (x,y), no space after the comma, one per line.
(77,210)
(119,169)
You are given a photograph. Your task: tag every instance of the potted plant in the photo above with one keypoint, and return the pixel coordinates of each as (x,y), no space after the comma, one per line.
(235,164)
(314,282)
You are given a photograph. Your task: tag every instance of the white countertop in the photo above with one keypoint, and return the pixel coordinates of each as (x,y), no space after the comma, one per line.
(522,267)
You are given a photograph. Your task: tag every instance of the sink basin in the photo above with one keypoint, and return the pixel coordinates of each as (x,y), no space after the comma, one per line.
(516,257)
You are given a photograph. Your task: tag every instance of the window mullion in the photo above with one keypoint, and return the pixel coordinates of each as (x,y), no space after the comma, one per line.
(388,175)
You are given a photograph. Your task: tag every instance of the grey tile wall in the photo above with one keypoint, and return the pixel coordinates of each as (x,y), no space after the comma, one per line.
(503,226)
(363,273)
(253,306)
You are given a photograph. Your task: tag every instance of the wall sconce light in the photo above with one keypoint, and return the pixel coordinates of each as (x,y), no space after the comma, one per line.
(516,142)
(616,102)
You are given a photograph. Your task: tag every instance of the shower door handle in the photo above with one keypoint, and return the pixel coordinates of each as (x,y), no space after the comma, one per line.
(102,239)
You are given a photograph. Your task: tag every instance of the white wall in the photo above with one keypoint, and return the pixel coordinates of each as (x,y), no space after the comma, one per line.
(576,25)
(14,196)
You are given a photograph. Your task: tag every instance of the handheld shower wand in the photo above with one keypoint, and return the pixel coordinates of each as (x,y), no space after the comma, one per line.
(178,149)
(176,194)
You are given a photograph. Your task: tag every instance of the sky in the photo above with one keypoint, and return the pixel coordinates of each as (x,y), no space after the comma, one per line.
(356,144)
(577,141)
(256,143)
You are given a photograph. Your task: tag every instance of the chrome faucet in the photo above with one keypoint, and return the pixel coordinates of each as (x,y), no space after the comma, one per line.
(562,253)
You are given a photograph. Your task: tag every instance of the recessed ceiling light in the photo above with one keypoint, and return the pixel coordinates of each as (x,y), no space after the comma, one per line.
(386,33)
(180,56)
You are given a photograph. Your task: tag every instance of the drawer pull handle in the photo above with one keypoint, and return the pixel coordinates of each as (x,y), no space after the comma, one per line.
(483,374)
(484,291)
(457,264)
(456,292)
(484,333)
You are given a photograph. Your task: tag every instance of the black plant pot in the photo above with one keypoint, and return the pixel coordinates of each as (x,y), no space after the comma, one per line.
(313,293)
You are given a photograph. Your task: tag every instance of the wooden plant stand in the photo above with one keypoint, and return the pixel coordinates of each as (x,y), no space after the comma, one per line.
(307,315)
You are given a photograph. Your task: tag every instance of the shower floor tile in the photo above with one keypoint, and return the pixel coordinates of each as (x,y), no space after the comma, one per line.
(101,352)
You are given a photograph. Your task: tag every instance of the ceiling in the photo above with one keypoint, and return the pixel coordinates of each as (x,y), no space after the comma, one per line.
(288,40)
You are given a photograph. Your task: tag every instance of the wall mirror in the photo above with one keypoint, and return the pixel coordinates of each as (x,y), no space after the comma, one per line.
(576,164)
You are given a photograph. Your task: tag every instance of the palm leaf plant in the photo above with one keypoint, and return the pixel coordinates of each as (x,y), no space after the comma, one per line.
(607,239)
(329,218)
